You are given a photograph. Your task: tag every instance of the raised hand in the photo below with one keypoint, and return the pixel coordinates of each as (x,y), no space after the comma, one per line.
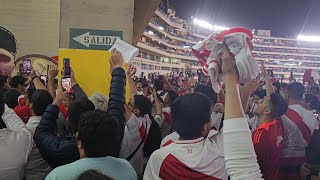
(131,70)
(252,85)
(32,74)
(228,62)
(116,60)
(53,72)
(59,97)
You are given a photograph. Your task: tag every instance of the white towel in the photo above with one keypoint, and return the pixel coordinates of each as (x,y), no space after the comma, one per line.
(239,42)
(128,52)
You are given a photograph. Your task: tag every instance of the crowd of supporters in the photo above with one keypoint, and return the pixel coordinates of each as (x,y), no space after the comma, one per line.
(173,127)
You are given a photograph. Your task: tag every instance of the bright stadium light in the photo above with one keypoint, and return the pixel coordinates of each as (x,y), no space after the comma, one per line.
(150,32)
(209,26)
(219,28)
(309,38)
(161,28)
(202,23)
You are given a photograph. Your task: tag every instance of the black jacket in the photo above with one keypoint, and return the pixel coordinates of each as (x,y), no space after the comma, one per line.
(62,150)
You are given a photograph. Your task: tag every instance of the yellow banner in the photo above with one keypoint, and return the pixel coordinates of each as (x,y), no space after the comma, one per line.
(91,68)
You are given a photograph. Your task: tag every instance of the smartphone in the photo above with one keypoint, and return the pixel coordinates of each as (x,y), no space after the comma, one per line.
(44,78)
(66,67)
(66,84)
(26,67)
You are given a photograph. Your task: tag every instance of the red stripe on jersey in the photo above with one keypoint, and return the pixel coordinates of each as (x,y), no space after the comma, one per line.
(172,168)
(167,143)
(298,121)
(257,136)
(142,131)
(167,117)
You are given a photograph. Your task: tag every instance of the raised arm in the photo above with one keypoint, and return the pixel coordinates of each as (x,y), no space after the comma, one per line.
(166,81)
(269,87)
(240,159)
(117,88)
(157,103)
(132,86)
(55,150)
(76,89)
(12,121)
(36,81)
(246,90)
(52,74)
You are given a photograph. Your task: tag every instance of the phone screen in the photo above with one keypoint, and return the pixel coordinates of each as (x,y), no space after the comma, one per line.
(26,67)
(66,84)
(66,66)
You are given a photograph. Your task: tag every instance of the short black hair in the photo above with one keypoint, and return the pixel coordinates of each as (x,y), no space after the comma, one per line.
(284,86)
(16,80)
(261,93)
(208,91)
(76,109)
(277,85)
(311,100)
(190,113)
(295,90)
(158,85)
(30,91)
(143,104)
(3,80)
(99,134)
(10,97)
(279,105)
(93,175)
(172,96)
(315,89)
(40,100)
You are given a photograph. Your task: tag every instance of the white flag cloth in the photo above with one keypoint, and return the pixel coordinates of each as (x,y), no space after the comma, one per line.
(128,52)
(239,42)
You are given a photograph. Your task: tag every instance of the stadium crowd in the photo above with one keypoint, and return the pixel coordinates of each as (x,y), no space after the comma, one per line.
(173,127)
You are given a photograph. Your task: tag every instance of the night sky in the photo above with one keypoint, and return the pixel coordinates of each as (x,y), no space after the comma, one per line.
(283,17)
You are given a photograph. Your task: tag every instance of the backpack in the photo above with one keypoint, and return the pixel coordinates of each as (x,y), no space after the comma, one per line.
(153,140)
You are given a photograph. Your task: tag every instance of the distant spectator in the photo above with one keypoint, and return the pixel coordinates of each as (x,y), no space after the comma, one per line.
(18,83)
(11,98)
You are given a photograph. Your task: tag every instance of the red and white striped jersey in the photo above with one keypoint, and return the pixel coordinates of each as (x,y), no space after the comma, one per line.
(201,158)
(134,132)
(299,124)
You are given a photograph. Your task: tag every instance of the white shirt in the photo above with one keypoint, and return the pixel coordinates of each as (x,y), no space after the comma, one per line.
(294,143)
(36,167)
(201,158)
(15,146)
(240,157)
(134,131)
(164,121)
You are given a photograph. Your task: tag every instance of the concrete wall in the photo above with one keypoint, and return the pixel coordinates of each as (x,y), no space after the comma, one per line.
(96,14)
(35,24)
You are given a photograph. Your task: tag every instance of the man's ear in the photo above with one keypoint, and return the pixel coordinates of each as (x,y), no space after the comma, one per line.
(206,129)
(267,111)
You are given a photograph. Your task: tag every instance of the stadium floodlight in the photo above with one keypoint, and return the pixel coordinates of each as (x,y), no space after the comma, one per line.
(202,23)
(309,38)
(186,47)
(209,26)
(161,28)
(219,28)
(150,32)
